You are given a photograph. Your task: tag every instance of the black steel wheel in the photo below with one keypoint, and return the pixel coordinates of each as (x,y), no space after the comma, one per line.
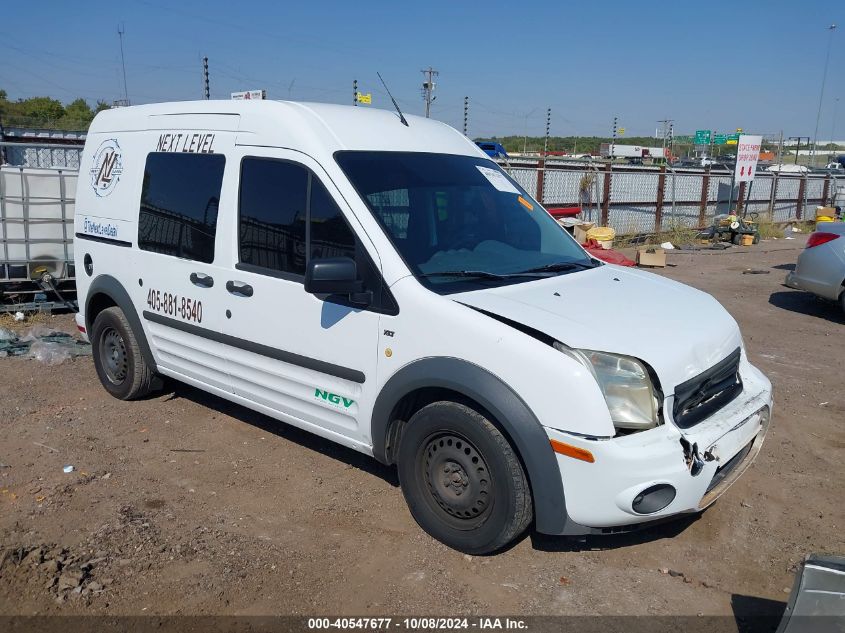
(118,359)
(458,479)
(462,480)
(113,356)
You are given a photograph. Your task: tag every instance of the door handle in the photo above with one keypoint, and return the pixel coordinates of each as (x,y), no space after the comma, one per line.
(201,280)
(239,289)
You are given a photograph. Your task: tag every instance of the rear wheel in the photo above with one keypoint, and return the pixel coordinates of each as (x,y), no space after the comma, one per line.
(117,356)
(462,480)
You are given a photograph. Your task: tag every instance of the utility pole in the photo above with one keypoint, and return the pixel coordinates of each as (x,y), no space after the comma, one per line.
(120,32)
(833,124)
(830,29)
(354,92)
(666,123)
(613,142)
(205,78)
(466,114)
(671,139)
(548,124)
(428,89)
(780,149)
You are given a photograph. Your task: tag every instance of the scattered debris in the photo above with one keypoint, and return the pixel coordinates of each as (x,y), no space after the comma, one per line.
(565,581)
(755,271)
(43,344)
(68,469)
(676,574)
(50,448)
(19,316)
(668,246)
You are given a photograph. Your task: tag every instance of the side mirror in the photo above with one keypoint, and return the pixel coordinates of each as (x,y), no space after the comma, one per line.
(332,276)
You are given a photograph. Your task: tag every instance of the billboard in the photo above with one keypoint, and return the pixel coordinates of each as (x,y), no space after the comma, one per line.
(249,94)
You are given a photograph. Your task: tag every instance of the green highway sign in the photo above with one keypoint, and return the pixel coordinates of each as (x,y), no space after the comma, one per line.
(702,137)
(732,139)
(720,139)
(683,140)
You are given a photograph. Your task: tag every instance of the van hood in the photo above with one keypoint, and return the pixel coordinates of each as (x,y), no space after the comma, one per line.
(678,330)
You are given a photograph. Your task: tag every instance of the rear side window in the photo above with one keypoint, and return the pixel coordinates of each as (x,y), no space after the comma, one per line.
(179,200)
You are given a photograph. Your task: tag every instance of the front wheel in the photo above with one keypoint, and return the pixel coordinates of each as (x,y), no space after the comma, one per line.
(117,356)
(462,480)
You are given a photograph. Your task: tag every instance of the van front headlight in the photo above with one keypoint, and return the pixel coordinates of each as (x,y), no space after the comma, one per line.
(625,384)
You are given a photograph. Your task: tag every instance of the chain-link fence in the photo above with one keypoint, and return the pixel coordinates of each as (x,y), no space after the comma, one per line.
(41,155)
(649,199)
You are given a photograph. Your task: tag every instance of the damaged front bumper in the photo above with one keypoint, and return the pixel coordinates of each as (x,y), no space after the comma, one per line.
(653,475)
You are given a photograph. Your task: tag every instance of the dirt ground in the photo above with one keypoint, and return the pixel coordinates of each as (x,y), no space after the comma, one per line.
(186,504)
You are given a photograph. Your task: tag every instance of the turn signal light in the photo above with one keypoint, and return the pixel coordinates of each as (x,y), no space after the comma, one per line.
(820,237)
(572,451)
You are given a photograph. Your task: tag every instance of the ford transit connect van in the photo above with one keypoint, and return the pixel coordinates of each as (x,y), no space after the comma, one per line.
(380,282)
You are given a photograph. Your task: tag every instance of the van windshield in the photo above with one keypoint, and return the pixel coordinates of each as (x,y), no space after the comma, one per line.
(460,222)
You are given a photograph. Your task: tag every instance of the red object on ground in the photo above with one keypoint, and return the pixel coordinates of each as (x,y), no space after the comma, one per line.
(607,255)
(564,212)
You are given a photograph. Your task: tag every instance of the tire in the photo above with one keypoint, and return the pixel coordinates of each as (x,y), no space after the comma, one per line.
(756,238)
(736,239)
(842,301)
(118,359)
(462,480)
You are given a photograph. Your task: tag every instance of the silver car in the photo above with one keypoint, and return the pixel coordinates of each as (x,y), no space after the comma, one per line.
(821,265)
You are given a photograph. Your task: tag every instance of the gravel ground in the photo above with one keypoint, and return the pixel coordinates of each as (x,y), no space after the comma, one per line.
(186,504)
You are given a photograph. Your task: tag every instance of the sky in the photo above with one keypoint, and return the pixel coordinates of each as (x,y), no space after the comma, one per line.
(718,65)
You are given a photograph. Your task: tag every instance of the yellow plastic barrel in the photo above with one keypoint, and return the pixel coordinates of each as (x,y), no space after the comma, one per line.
(823,218)
(601,234)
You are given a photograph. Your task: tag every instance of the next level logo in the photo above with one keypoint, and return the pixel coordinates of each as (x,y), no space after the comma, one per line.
(107,167)
(333,398)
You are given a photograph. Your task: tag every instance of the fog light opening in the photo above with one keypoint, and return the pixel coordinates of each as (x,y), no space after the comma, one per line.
(653,499)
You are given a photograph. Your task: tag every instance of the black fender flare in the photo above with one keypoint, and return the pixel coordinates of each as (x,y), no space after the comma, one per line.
(108,285)
(510,412)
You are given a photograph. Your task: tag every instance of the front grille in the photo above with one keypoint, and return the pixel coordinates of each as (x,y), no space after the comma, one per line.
(700,397)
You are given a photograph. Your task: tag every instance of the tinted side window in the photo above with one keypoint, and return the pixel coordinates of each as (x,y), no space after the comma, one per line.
(179,200)
(273,204)
(330,234)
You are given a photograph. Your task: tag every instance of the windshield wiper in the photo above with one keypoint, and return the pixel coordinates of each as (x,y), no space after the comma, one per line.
(559,267)
(479,274)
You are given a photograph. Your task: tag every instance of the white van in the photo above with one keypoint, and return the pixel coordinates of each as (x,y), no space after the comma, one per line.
(382,283)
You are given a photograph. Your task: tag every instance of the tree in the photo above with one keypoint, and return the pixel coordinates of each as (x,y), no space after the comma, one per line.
(79,110)
(42,108)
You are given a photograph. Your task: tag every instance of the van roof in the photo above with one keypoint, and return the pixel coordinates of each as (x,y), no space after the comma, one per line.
(309,127)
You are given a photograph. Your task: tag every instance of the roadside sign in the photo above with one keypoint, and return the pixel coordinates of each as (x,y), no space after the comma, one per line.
(732,139)
(720,139)
(365,98)
(621,131)
(683,140)
(702,137)
(249,94)
(747,155)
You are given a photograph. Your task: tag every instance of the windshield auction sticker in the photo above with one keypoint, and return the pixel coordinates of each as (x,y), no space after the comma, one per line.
(497,179)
